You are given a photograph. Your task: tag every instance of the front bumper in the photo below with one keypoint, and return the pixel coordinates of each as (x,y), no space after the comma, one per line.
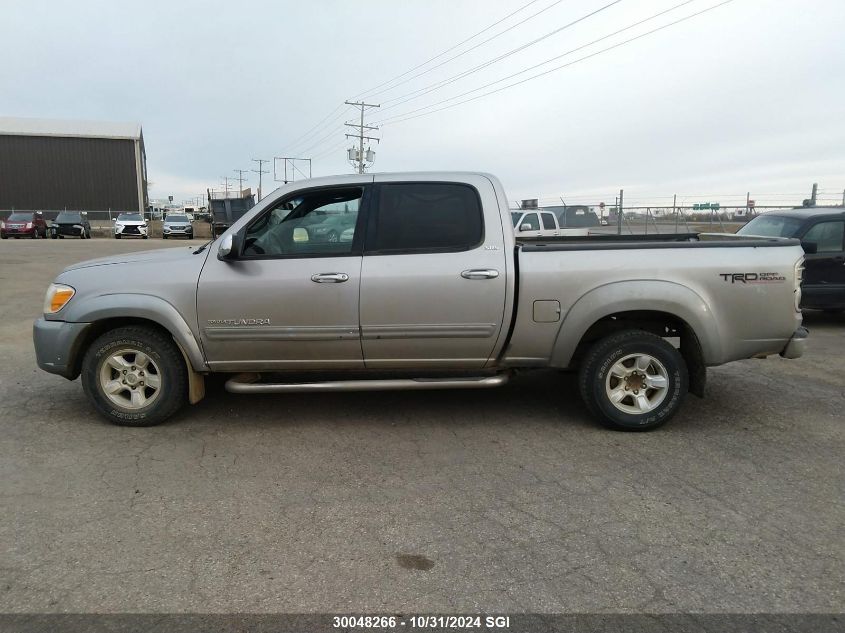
(797,344)
(57,344)
(131,231)
(65,229)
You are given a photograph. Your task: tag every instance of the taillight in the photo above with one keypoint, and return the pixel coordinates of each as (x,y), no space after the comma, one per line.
(799,275)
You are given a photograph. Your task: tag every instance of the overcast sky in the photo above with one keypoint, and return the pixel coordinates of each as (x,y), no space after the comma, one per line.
(747,97)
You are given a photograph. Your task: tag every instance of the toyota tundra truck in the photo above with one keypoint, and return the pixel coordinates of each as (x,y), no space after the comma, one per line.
(430,289)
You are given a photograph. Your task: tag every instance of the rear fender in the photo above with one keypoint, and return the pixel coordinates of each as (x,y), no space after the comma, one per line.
(625,296)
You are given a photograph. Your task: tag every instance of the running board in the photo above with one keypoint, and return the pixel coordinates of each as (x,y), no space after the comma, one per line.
(249,383)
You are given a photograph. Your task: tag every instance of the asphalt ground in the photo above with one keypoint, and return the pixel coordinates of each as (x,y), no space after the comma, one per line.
(508,500)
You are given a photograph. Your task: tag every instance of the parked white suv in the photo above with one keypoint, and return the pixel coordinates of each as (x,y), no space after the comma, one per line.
(130,225)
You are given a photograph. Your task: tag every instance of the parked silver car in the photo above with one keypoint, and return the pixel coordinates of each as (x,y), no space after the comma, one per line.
(177,225)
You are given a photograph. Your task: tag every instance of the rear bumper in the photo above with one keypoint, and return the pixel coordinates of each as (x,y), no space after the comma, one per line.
(56,346)
(797,344)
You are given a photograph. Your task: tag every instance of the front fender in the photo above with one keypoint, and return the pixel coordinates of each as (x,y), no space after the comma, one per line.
(646,294)
(142,306)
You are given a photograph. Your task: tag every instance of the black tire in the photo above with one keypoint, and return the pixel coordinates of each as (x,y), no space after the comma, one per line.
(164,237)
(117,236)
(165,355)
(4,237)
(54,236)
(593,380)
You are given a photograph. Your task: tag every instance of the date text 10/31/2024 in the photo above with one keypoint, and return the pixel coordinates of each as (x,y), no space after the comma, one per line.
(421,622)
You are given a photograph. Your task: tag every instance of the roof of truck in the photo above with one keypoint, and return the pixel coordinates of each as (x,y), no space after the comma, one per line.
(806,212)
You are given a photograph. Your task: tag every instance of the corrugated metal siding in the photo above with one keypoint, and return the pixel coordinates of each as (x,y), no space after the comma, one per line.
(47,173)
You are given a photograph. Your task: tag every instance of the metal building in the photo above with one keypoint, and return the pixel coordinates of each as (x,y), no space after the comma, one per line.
(49,165)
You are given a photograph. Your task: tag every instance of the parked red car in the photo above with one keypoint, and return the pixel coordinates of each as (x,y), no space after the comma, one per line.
(20,224)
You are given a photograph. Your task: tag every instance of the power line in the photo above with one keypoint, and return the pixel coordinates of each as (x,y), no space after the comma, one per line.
(461,54)
(448,50)
(306,134)
(450,80)
(332,123)
(522,81)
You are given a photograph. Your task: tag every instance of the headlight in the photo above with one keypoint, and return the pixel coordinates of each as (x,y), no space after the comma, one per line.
(57,297)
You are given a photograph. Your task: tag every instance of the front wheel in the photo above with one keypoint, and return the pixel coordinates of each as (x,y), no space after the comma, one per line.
(135,376)
(633,381)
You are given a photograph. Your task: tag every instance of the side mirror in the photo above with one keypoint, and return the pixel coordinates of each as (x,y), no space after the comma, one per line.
(525,227)
(230,247)
(810,248)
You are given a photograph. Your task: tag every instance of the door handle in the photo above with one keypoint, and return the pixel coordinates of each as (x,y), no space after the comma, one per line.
(330,278)
(480,273)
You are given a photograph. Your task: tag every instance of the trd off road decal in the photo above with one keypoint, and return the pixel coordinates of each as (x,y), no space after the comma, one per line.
(753,278)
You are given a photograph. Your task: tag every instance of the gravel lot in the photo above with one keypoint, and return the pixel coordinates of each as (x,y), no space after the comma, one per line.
(505,500)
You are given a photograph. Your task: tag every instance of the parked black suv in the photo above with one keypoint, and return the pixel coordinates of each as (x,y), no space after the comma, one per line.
(73,223)
(822,234)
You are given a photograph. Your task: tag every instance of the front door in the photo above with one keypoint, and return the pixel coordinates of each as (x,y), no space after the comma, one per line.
(434,275)
(290,301)
(824,270)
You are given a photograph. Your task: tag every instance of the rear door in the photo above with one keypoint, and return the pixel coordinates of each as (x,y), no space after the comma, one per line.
(434,275)
(824,270)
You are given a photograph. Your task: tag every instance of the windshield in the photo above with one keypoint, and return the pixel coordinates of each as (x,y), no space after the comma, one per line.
(177,218)
(20,217)
(515,215)
(65,217)
(131,217)
(772,226)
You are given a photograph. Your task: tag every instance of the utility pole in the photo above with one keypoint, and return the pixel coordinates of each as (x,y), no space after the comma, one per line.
(260,171)
(619,213)
(360,158)
(675,210)
(240,173)
(225,183)
(843,197)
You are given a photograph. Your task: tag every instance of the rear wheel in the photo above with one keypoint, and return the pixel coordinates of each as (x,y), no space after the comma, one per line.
(135,376)
(633,381)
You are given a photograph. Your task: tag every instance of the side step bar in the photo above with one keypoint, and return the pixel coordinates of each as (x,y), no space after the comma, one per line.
(249,383)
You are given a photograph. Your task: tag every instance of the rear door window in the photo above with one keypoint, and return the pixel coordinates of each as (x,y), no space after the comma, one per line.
(425,217)
(827,235)
(549,222)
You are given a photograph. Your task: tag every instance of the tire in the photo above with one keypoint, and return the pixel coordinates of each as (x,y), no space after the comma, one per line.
(145,237)
(4,237)
(164,237)
(117,236)
(120,348)
(54,236)
(599,378)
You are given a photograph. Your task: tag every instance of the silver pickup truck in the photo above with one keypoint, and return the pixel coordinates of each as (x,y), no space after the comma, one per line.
(416,281)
